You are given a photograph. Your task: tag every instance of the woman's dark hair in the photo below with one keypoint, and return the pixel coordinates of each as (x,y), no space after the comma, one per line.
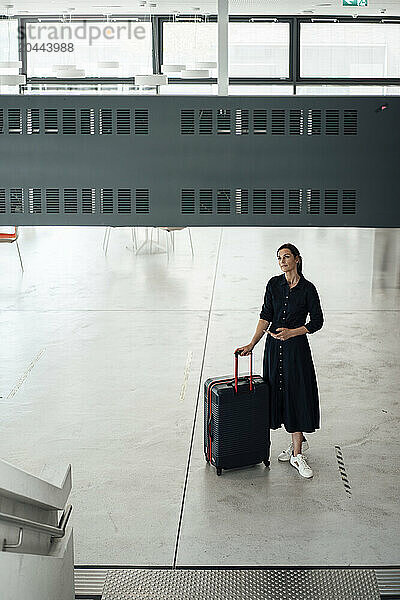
(295,253)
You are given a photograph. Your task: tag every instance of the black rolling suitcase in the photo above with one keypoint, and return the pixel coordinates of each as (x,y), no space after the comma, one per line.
(236,420)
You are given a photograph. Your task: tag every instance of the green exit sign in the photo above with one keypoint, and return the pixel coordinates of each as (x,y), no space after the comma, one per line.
(355,2)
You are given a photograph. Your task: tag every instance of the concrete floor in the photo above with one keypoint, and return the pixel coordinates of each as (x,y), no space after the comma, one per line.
(102,363)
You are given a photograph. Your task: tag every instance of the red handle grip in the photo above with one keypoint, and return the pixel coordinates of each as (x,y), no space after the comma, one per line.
(236,370)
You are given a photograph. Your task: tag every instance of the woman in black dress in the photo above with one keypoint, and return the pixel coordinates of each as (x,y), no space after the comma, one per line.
(288,365)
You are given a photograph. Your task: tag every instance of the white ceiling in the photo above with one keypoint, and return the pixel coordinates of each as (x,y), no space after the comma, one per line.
(266,7)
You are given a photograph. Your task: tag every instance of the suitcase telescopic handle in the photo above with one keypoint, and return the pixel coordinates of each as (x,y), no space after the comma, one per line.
(236,370)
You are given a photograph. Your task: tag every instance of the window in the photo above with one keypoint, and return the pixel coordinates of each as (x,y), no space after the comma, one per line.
(259,49)
(187,43)
(84,44)
(350,50)
(9,41)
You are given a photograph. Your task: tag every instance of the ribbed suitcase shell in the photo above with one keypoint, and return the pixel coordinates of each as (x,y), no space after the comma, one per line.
(239,422)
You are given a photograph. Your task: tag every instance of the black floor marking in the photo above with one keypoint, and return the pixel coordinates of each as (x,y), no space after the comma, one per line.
(342,469)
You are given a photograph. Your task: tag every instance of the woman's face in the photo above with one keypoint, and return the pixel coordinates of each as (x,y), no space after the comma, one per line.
(286,260)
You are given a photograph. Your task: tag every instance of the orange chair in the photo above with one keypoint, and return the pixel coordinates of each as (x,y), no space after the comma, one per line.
(9,238)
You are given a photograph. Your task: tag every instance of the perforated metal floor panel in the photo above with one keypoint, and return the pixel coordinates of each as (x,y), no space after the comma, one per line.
(237,584)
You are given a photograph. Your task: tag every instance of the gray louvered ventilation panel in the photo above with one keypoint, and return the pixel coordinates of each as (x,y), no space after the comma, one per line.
(296,122)
(261,205)
(1,121)
(106,201)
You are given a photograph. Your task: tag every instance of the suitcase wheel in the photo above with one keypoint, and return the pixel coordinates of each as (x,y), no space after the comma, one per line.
(219,471)
(266,462)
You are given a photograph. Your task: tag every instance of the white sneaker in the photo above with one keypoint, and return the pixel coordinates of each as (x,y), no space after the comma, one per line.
(300,463)
(286,454)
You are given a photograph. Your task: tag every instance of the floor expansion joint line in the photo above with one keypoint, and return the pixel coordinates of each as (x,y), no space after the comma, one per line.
(197,402)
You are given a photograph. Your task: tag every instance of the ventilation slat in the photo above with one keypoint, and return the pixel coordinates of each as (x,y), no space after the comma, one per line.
(296,122)
(142,201)
(141,121)
(105,121)
(123,121)
(71,201)
(205,122)
(260,121)
(314,125)
(187,201)
(313,201)
(223,121)
(50,121)
(349,202)
(187,122)
(206,202)
(331,202)
(1,121)
(17,200)
(35,200)
(332,122)
(52,201)
(2,201)
(242,122)
(69,121)
(106,201)
(277,202)
(223,202)
(87,121)
(32,121)
(350,122)
(89,201)
(242,201)
(295,201)
(124,201)
(278,121)
(259,202)
(14,121)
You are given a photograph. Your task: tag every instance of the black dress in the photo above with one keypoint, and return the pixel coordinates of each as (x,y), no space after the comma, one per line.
(288,365)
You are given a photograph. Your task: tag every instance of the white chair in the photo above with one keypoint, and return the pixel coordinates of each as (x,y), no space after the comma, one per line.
(171,237)
(106,238)
(9,238)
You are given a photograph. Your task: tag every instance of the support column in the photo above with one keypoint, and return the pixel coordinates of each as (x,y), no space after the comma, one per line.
(223,20)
